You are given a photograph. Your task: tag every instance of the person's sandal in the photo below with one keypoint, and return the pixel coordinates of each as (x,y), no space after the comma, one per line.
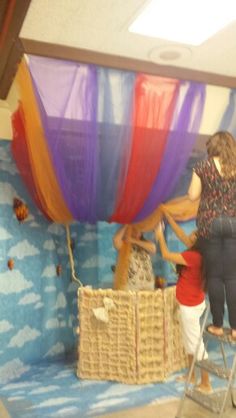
(217,332)
(233,335)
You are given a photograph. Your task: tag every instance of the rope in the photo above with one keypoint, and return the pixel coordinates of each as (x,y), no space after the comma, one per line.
(72,264)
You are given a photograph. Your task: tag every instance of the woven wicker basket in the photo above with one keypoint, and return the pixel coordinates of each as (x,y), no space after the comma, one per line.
(140,343)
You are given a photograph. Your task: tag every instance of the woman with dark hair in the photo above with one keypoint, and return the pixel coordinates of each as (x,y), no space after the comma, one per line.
(189,294)
(214,182)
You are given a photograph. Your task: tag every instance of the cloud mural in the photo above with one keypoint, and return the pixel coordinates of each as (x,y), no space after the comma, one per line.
(7,193)
(13,282)
(54,323)
(57,349)
(4,234)
(61,301)
(23,249)
(12,369)
(56,229)
(99,261)
(24,336)
(29,298)
(49,271)
(49,245)
(5,326)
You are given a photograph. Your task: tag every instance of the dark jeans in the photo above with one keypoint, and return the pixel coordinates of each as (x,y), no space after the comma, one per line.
(219,252)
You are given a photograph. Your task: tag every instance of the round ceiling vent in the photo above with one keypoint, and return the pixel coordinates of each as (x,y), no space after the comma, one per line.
(169,53)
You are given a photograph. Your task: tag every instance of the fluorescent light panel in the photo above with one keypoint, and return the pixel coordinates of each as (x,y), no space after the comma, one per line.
(184,21)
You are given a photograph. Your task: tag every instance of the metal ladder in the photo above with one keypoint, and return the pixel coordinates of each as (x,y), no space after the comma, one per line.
(218,400)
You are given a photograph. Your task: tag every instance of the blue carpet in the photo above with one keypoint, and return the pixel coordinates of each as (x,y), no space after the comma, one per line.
(53,390)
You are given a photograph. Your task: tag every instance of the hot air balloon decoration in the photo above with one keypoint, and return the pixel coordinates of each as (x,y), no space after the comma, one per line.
(59,269)
(10,264)
(21,209)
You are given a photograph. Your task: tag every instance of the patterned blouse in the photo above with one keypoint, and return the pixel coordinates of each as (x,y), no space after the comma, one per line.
(140,271)
(218,197)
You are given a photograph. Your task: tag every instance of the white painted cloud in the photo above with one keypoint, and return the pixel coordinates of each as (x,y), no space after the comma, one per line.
(49,271)
(56,349)
(108,402)
(62,251)
(19,385)
(13,282)
(12,370)
(56,229)
(23,249)
(29,298)
(53,323)
(89,236)
(67,412)
(5,326)
(23,336)
(34,225)
(39,305)
(15,398)
(44,389)
(53,402)
(90,227)
(91,262)
(4,234)
(97,261)
(30,218)
(60,302)
(49,245)
(120,390)
(63,374)
(84,383)
(7,194)
(49,289)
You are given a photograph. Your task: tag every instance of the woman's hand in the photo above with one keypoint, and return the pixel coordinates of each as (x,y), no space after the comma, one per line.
(160,229)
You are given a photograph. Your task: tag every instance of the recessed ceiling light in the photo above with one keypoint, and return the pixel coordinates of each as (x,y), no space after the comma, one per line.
(184,21)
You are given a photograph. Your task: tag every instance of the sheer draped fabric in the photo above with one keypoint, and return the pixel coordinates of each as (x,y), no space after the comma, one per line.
(102,144)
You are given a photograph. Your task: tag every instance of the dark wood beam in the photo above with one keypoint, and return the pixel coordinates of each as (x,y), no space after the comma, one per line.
(113,61)
(11,49)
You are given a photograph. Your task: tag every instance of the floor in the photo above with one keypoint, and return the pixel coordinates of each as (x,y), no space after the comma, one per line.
(169,410)
(52,390)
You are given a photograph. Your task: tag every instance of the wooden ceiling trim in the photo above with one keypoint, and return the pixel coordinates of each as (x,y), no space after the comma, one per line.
(10,48)
(113,61)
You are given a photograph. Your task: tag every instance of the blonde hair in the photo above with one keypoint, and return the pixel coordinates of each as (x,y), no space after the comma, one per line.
(222,145)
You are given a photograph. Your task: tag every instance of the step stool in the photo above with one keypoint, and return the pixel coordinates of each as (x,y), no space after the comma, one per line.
(219,399)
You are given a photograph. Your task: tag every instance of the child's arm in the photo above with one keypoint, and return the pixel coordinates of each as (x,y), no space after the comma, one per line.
(177,229)
(149,246)
(119,237)
(176,258)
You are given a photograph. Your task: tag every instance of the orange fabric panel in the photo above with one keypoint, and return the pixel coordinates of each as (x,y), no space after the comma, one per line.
(45,180)
(20,153)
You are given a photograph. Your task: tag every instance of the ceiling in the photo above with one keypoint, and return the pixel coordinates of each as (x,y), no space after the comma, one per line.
(96,31)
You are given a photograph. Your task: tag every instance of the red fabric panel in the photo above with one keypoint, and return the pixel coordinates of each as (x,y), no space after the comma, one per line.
(20,154)
(153,109)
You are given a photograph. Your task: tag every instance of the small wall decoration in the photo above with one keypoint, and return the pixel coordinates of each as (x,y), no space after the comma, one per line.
(59,269)
(10,264)
(21,209)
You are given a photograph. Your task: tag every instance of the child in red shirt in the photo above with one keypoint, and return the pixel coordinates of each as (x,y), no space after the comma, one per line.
(189,293)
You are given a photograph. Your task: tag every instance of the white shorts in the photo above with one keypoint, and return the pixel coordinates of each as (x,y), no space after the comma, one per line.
(191,329)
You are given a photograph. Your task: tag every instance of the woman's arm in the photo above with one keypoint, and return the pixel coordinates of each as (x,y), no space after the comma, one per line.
(195,188)
(176,258)
(149,246)
(119,237)
(177,229)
